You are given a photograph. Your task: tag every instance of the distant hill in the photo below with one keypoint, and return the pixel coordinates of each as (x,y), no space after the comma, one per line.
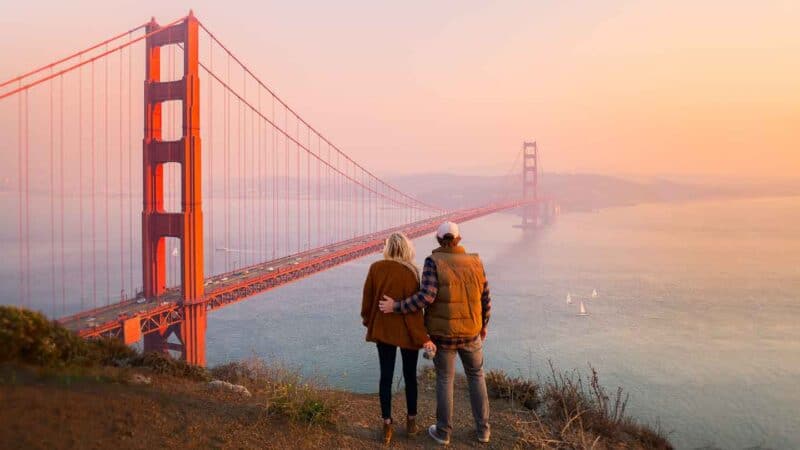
(581,191)
(573,191)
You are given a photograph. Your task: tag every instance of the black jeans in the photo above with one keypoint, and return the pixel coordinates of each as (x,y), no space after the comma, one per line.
(387,354)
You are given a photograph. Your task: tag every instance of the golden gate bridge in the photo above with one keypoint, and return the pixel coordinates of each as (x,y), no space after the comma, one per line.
(269,199)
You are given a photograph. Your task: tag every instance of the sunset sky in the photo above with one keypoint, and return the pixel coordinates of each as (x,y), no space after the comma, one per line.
(615,87)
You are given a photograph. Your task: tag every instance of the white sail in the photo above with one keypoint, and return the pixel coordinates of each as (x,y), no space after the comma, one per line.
(594,293)
(569,299)
(583,310)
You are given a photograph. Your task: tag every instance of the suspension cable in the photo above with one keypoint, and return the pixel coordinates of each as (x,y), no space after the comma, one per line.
(83,62)
(290,109)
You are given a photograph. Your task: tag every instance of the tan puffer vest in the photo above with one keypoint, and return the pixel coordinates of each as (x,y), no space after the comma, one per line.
(456,312)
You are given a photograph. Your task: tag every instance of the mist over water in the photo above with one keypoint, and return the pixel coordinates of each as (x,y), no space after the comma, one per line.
(696,314)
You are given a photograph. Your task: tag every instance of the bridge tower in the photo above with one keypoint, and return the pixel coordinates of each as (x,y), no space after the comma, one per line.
(530,184)
(186,225)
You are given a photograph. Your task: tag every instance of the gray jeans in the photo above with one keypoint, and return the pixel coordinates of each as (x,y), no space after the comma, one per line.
(472,360)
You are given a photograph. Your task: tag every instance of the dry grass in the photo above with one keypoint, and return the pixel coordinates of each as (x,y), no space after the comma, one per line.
(28,337)
(287,392)
(567,412)
(564,411)
(163,364)
(517,390)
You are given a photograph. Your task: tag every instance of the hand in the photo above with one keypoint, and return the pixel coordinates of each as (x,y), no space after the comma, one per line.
(387,304)
(483,334)
(429,346)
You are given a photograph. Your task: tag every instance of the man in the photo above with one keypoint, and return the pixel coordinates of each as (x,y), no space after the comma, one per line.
(456,299)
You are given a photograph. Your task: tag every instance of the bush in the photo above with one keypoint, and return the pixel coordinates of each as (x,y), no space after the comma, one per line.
(517,390)
(565,412)
(577,409)
(288,393)
(302,402)
(164,364)
(109,352)
(29,337)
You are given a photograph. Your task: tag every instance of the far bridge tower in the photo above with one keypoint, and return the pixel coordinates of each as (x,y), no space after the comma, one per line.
(530,184)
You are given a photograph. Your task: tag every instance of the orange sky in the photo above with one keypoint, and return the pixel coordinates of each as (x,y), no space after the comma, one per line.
(637,88)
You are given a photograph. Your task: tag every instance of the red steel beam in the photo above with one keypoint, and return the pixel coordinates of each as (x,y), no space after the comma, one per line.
(168,310)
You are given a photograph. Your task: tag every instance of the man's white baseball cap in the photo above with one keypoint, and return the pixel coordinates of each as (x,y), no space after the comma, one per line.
(447,227)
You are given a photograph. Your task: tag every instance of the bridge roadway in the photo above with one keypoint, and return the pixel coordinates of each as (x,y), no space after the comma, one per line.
(231,287)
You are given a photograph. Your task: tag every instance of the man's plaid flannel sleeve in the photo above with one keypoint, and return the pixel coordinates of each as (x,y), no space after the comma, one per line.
(427,293)
(486,303)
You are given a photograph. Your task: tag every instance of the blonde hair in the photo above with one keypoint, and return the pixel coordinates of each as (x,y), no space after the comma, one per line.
(400,249)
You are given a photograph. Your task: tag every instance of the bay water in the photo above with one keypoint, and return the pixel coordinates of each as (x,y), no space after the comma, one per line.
(697,315)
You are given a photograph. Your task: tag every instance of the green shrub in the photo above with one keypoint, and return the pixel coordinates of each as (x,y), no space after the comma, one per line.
(302,402)
(109,352)
(315,411)
(29,337)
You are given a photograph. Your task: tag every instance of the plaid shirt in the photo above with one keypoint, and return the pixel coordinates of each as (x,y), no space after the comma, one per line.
(427,295)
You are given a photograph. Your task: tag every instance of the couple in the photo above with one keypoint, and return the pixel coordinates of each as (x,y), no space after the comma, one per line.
(456,302)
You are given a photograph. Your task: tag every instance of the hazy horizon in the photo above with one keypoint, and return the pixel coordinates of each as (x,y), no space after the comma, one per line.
(611,87)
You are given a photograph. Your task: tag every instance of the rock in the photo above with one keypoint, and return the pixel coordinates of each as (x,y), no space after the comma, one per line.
(138,378)
(224,385)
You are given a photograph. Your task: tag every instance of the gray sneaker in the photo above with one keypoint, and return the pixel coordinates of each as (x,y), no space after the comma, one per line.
(434,434)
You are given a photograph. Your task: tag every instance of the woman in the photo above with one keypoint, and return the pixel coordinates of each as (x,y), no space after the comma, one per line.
(398,277)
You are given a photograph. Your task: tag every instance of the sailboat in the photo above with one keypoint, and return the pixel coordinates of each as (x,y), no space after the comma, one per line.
(569,299)
(583,310)
(594,293)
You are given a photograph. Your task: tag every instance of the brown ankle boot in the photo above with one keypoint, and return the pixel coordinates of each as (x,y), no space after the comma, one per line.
(388,432)
(411,426)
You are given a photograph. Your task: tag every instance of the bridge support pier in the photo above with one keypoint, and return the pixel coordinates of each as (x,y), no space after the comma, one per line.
(193,334)
(186,225)
(189,333)
(158,341)
(530,184)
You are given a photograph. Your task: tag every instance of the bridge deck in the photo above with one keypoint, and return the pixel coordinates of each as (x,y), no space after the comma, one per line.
(231,287)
